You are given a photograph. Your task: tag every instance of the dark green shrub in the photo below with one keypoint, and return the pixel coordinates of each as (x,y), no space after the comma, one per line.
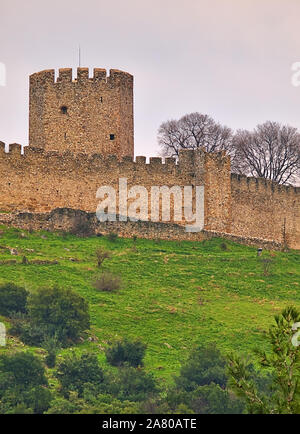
(65,406)
(23,384)
(28,333)
(62,312)
(75,372)
(130,352)
(205,365)
(18,409)
(37,398)
(13,298)
(208,399)
(50,359)
(133,385)
(23,370)
(102,404)
(51,344)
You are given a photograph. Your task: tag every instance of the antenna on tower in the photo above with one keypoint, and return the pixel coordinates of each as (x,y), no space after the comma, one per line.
(79,56)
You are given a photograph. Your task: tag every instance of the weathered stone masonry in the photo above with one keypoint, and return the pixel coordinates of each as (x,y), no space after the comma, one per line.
(40,181)
(92,115)
(67,219)
(72,154)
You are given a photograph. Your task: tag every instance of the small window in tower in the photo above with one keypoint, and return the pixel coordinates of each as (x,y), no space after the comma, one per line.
(101,99)
(64,110)
(111,137)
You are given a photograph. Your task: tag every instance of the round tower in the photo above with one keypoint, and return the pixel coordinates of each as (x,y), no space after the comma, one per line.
(89,115)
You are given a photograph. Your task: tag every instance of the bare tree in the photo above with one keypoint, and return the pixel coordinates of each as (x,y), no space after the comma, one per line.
(101,255)
(193,131)
(271,151)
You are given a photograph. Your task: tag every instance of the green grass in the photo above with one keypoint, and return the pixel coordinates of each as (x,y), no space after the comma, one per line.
(175,295)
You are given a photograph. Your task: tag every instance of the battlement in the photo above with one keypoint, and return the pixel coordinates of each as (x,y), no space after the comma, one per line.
(262,184)
(185,163)
(65,75)
(65,161)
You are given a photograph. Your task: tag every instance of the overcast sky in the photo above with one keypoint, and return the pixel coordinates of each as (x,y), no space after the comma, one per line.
(230,59)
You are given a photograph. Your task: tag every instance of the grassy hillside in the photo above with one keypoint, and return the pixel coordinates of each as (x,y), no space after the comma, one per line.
(175,295)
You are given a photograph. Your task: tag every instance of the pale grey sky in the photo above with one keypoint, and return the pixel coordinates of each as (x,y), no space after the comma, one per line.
(230,59)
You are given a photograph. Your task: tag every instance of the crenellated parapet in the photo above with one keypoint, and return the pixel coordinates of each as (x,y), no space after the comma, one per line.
(56,161)
(190,163)
(65,77)
(187,163)
(262,185)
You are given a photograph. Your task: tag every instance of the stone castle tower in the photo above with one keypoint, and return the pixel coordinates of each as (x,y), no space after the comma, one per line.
(84,115)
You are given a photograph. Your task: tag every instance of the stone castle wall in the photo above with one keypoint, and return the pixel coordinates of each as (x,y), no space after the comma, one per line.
(264,209)
(41,181)
(90,115)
